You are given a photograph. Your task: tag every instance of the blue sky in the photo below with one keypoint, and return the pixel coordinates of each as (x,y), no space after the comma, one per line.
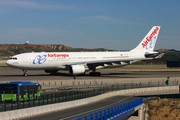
(111,24)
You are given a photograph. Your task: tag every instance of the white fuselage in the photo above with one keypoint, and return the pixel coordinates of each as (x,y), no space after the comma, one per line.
(60,60)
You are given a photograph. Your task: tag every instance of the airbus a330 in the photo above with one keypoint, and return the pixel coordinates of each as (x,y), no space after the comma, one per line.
(81,62)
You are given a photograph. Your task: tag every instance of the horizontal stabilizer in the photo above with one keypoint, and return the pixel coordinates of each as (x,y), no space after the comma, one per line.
(159,56)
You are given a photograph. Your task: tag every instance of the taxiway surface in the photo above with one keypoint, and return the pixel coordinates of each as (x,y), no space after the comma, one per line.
(131,71)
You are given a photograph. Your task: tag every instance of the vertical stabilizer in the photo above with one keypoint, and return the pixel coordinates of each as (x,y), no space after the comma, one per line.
(149,41)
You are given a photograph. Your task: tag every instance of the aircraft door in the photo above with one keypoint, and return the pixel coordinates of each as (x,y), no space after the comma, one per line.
(67,58)
(99,57)
(25,59)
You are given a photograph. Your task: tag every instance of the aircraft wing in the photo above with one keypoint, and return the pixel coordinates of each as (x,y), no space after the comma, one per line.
(115,61)
(99,62)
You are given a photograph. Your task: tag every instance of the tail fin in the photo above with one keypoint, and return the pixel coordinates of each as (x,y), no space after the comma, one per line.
(149,41)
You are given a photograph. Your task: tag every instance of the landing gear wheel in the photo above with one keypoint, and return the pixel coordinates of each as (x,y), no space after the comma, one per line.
(95,74)
(25,74)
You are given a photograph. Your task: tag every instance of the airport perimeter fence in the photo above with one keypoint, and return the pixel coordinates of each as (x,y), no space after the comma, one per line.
(64,94)
(93,82)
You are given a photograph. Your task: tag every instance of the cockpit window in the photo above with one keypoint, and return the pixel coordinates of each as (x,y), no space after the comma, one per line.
(14,58)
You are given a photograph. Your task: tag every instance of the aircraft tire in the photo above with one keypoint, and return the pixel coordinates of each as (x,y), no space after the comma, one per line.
(25,74)
(53,73)
(95,74)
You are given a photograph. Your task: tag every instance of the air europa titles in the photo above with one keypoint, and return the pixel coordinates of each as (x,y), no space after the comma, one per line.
(40,59)
(58,55)
(148,39)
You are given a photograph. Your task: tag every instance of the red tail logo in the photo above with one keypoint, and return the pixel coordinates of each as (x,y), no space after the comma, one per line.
(148,39)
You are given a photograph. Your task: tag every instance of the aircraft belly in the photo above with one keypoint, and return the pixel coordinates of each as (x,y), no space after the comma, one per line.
(109,66)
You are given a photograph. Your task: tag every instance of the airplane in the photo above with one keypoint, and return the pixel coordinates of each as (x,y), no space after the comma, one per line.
(81,62)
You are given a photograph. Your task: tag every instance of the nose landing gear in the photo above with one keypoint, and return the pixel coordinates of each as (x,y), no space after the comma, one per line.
(25,73)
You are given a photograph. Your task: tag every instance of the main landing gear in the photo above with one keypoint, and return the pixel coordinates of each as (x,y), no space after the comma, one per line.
(95,74)
(25,73)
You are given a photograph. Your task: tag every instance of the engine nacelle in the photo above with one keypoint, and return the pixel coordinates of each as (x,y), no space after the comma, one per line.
(77,69)
(51,71)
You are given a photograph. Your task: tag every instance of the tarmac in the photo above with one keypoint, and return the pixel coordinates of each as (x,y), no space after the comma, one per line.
(126,74)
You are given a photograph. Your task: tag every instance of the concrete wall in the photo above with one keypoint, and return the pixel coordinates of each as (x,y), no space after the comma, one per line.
(28,112)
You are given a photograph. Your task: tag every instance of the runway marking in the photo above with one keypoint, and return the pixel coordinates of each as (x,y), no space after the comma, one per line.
(94,109)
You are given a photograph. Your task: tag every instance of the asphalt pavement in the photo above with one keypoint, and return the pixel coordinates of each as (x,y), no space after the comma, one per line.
(72,113)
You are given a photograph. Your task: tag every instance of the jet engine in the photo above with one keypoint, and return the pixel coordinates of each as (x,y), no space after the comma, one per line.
(77,69)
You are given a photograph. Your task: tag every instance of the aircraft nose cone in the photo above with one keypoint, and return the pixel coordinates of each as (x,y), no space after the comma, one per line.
(8,62)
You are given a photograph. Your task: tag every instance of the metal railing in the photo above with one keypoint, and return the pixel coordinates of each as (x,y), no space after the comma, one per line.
(120,111)
(128,85)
